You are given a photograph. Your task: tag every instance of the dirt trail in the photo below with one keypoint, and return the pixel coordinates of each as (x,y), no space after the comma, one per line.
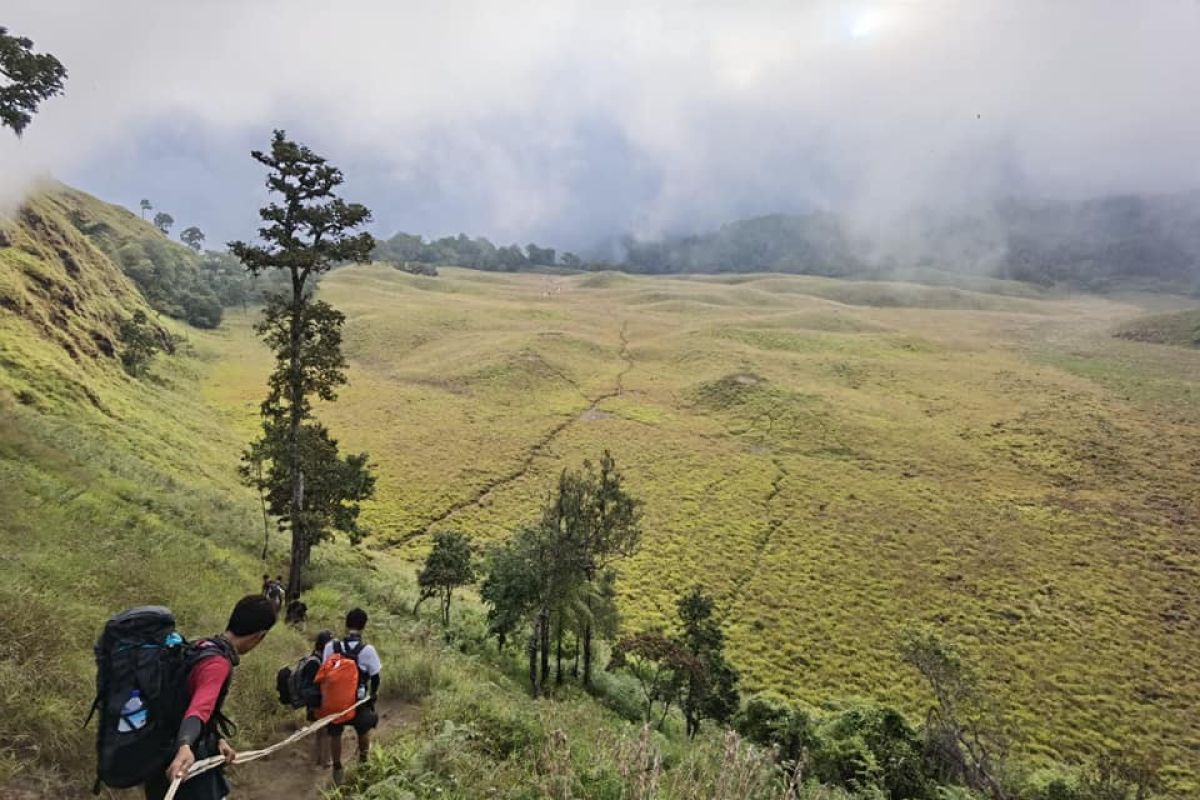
(291,774)
(481,495)
(773,518)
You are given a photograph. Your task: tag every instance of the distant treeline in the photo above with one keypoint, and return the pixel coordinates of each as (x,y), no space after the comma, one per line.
(1153,242)
(465,251)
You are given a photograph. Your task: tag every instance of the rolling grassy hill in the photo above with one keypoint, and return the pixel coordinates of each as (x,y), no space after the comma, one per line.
(833,460)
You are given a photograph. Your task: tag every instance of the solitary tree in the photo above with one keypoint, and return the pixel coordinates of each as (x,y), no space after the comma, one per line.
(193,237)
(962,732)
(29,78)
(139,343)
(304,234)
(163,221)
(448,566)
(145,206)
(710,692)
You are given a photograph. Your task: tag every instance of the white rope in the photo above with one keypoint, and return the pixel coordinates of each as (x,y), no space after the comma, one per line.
(200,767)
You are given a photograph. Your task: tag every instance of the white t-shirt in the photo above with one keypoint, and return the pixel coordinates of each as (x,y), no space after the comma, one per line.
(368,659)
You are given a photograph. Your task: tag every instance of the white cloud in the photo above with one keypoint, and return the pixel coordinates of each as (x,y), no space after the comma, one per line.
(708,110)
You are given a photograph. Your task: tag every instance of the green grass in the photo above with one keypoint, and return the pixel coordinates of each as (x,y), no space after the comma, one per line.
(975,465)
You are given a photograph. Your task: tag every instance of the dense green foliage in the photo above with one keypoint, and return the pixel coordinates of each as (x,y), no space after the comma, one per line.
(464,251)
(311,488)
(29,78)
(557,575)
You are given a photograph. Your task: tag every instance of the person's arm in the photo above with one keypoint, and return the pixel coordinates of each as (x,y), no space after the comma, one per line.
(369,659)
(204,689)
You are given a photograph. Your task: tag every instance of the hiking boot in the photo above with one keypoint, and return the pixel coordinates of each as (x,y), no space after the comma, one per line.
(339,776)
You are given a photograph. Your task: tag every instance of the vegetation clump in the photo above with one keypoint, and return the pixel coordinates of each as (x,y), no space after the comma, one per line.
(139,343)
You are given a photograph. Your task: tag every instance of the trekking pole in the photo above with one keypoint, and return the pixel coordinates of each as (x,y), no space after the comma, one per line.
(200,767)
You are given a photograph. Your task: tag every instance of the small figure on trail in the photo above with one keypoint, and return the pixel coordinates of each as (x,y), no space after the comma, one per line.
(201,734)
(349,673)
(273,589)
(297,612)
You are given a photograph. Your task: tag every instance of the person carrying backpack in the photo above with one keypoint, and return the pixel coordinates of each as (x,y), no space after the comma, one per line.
(273,591)
(297,688)
(349,672)
(208,677)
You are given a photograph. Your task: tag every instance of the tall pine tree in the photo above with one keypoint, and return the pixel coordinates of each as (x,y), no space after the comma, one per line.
(306,231)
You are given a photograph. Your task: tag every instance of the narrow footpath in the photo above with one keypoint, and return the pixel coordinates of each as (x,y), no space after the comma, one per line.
(291,774)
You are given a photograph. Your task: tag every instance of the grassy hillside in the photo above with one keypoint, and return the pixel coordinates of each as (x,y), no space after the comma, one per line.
(116,492)
(832,469)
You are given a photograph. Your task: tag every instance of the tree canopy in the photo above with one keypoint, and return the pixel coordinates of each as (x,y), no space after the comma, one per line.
(29,79)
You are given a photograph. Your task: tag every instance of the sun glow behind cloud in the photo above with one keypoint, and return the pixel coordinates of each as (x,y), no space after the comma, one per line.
(868,23)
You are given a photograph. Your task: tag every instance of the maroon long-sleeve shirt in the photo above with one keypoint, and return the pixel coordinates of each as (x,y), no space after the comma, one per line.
(204,686)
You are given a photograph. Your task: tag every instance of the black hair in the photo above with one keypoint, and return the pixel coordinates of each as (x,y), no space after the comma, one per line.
(356,619)
(252,614)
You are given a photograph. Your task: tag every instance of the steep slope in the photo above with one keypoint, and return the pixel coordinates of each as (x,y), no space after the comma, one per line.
(115,492)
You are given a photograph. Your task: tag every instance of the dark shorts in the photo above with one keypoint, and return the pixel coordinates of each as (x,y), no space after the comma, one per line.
(365,719)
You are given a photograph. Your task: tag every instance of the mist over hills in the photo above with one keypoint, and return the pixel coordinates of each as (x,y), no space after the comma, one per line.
(1130,241)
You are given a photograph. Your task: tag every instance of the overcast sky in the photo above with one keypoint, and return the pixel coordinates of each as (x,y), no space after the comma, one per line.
(567,122)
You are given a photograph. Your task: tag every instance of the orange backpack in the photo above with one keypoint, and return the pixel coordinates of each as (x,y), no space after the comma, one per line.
(338,679)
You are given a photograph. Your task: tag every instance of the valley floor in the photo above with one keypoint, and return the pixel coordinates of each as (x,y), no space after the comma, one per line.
(834,460)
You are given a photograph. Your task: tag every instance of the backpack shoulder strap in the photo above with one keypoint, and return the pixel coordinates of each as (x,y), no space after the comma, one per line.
(354,645)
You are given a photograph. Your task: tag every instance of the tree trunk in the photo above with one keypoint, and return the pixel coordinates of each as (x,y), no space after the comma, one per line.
(262,499)
(587,654)
(534,640)
(575,666)
(545,647)
(558,673)
(295,418)
(446,610)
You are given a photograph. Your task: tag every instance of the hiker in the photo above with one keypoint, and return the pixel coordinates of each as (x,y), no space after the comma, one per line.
(201,733)
(320,743)
(296,613)
(273,590)
(349,672)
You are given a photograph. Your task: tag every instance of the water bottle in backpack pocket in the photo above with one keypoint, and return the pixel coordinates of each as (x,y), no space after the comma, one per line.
(133,713)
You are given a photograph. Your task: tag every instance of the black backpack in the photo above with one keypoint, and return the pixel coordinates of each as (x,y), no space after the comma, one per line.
(140,649)
(295,684)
